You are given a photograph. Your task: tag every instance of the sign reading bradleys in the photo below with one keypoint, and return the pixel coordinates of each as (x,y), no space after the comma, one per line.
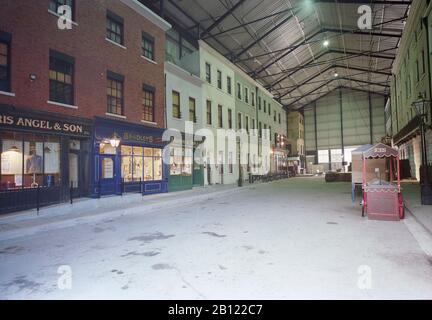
(43,124)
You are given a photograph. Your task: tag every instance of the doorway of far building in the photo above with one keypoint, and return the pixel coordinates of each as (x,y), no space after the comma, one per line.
(107,169)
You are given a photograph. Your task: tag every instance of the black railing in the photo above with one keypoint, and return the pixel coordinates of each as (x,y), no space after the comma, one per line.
(19,199)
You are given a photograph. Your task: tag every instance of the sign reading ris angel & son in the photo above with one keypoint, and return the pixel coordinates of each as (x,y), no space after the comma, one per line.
(34,123)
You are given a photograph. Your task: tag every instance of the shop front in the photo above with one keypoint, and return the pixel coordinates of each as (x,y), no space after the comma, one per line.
(127,158)
(44,158)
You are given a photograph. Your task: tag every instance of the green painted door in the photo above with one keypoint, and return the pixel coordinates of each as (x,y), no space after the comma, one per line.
(198,175)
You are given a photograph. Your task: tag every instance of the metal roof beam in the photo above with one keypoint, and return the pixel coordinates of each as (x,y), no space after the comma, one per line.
(360,32)
(221,18)
(359,2)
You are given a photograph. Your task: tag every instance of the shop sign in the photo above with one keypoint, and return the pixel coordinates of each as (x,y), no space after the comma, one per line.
(29,123)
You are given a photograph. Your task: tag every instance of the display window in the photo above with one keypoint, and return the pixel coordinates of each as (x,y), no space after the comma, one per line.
(141,164)
(181,161)
(29,160)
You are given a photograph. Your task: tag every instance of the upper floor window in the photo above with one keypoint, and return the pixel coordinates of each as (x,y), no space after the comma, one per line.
(115,93)
(265,106)
(148,45)
(239,121)
(220,116)
(253,98)
(61,69)
(274,115)
(259,103)
(229,85)
(148,103)
(55,4)
(208,72)
(5,77)
(246,94)
(114,27)
(176,104)
(229,119)
(280,118)
(192,110)
(269,110)
(239,94)
(219,79)
(209,112)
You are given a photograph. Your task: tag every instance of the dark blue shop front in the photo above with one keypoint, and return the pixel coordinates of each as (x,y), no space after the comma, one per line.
(127,159)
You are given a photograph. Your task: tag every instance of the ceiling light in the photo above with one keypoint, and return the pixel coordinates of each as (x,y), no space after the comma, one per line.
(336,74)
(326,43)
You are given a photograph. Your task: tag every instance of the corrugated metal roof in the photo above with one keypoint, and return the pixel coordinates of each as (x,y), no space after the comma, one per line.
(280,42)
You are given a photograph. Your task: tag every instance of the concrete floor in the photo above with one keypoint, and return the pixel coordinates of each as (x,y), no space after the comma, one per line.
(297,238)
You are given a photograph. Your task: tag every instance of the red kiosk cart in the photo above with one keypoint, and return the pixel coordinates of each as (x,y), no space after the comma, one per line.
(382,198)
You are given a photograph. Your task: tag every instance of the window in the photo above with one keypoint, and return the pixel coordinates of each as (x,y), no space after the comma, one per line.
(114,28)
(148,45)
(259,103)
(253,124)
(230,162)
(274,115)
(192,110)
(181,161)
(219,79)
(417,71)
(176,105)
(61,69)
(229,85)
(229,119)
(239,94)
(114,93)
(220,119)
(209,112)
(4,62)
(246,94)
(247,124)
(208,72)
(148,103)
(423,62)
(260,129)
(138,163)
(265,106)
(55,4)
(269,110)
(239,121)
(29,160)
(253,98)
(280,118)
(323,156)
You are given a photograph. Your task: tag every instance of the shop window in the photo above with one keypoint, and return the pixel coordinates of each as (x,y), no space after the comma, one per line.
(148,45)
(29,161)
(61,69)
(148,103)
(176,161)
(140,164)
(114,28)
(4,65)
(187,162)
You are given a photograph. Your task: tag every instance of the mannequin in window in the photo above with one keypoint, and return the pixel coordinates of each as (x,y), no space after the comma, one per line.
(34,162)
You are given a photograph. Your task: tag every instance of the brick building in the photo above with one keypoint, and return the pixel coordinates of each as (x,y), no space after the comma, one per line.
(66,92)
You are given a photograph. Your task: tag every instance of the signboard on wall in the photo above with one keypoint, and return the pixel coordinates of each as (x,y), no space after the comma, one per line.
(43,124)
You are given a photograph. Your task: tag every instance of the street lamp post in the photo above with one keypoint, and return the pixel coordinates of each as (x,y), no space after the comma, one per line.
(420,107)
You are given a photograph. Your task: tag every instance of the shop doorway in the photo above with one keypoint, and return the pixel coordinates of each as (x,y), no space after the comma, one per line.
(107,175)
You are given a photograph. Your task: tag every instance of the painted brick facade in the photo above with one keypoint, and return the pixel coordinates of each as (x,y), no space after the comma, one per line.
(34,32)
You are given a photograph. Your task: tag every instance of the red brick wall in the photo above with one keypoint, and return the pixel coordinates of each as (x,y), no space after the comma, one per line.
(34,31)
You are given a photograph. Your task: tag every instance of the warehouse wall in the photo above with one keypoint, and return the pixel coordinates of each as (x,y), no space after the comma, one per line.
(343,121)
